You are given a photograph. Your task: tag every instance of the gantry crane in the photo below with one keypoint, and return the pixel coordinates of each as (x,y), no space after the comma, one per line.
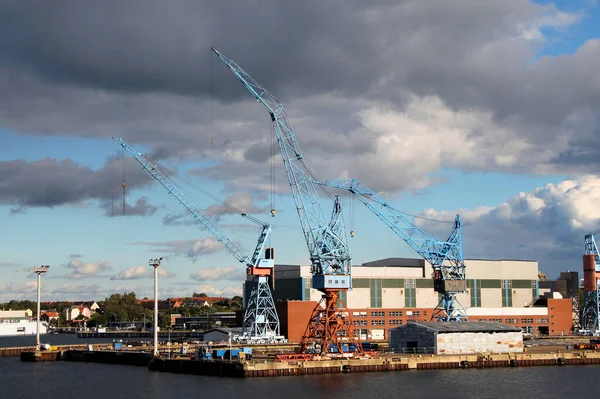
(590,317)
(446,257)
(261,323)
(330,325)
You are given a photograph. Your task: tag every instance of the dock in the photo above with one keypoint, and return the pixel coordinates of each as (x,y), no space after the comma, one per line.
(252,368)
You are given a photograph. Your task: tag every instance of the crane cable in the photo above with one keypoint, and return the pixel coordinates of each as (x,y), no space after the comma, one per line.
(123,184)
(272,169)
(112,182)
(210,83)
(171,173)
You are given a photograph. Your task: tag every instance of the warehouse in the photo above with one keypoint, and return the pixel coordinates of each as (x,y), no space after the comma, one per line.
(456,338)
(391,292)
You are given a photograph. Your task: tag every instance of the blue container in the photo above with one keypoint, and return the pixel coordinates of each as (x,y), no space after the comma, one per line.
(247,351)
(117,345)
(219,353)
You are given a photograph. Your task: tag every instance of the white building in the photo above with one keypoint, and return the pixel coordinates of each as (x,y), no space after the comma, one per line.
(400,282)
(455,338)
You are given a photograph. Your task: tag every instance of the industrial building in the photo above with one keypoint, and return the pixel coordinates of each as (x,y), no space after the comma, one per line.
(456,338)
(391,292)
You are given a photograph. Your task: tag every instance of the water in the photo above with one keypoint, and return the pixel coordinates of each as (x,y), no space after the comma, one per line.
(65,380)
(52,339)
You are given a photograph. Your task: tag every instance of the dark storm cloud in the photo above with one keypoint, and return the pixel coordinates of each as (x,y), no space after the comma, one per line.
(50,182)
(144,69)
(156,46)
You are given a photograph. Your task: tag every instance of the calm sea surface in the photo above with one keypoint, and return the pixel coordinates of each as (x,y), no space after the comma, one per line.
(65,380)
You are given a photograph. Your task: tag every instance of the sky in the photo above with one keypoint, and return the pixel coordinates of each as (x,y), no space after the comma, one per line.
(486,109)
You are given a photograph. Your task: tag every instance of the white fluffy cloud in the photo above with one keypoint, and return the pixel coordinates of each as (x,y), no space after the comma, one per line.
(218,273)
(138,272)
(210,290)
(547,224)
(191,248)
(85,270)
(204,246)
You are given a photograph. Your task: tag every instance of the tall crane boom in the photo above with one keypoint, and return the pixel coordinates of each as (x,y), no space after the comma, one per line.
(260,320)
(590,316)
(326,239)
(445,257)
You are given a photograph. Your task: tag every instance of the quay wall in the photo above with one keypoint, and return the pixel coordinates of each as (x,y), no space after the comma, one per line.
(268,368)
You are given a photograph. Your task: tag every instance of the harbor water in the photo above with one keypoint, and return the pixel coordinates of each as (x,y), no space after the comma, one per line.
(54,380)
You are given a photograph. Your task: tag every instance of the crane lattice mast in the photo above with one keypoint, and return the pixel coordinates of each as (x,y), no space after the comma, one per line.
(326,239)
(590,316)
(446,257)
(261,322)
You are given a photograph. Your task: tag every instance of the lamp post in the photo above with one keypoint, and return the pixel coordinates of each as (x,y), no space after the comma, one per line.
(39,270)
(155,263)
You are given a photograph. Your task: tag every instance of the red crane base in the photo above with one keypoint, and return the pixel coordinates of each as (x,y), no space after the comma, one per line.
(330,329)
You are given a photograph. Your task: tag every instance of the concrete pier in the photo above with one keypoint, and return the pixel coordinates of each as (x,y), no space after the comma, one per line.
(269,368)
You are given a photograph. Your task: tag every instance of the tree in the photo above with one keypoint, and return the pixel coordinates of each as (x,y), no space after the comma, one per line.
(201,295)
(124,307)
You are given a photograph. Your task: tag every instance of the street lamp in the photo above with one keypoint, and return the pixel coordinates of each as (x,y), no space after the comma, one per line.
(155,263)
(38,270)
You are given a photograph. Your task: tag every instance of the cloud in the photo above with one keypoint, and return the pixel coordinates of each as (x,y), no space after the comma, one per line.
(204,246)
(138,272)
(79,289)
(210,290)
(9,290)
(50,182)
(8,264)
(190,248)
(218,273)
(547,224)
(141,208)
(75,256)
(428,62)
(86,270)
(234,205)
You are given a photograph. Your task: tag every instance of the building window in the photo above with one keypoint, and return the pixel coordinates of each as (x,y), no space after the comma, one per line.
(396,313)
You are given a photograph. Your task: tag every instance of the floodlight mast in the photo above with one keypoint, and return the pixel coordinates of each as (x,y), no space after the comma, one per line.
(39,270)
(155,263)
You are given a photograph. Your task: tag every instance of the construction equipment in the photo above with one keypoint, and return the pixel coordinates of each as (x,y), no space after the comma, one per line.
(261,323)
(329,331)
(446,257)
(590,317)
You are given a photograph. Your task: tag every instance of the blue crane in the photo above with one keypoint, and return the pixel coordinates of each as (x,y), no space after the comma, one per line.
(590,316)
(445,257)
(261,322)
(326,239)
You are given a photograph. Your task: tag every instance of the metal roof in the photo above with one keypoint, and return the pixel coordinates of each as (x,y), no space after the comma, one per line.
(465,326)
(396,262)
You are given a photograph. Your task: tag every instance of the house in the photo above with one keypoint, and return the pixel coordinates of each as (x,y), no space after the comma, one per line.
(75,311)
(48,315)
(195,301)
